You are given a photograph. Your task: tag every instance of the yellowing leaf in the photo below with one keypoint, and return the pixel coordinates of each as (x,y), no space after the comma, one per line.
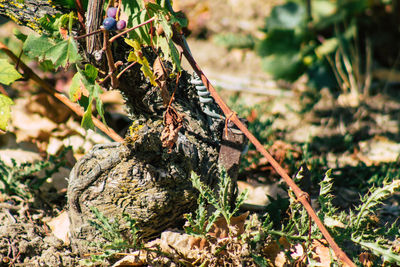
(75,91)
(147,71)
(137,56)
(135,44)
(132,57)
(5,111)
(8,74)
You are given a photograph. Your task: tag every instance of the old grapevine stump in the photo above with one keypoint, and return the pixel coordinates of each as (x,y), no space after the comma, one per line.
(138,177)
(141,178)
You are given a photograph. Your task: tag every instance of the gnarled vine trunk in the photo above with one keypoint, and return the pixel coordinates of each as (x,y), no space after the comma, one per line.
(139,177)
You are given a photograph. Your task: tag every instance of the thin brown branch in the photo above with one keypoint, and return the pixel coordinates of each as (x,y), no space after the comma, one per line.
(110,59)
(88,34)
(3,91)
(117,64)
(128,67)
(73,106)
(131,29)
(301,196)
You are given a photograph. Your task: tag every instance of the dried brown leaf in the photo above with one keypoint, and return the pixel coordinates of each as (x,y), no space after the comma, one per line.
(220,228)
(198,242)
(60,226)
(180,245)
(258,192)
(322,253)
(366,259)
(273,252)
(173,123)
(135,259)
(161,79)
(30,126)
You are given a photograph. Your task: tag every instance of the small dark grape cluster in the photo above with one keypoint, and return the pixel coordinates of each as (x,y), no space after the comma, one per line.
(110,24)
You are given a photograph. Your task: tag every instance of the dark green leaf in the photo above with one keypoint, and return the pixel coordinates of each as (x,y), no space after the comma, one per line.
(48,23)
(170,52)
(175,56)
(83,101)
(87,122)
(91,73)
(279,42)
(63,53)
(100,109)
(36,46)
(180,18)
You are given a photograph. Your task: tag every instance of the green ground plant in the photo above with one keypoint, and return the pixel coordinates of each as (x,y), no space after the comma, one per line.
(220,200)
(116,242)
(24,179)
(356,224)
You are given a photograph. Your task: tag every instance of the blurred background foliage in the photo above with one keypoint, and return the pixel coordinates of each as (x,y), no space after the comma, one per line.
(335,43)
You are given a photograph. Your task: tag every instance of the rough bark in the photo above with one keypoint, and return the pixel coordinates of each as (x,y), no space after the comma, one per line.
(138,177)
(29,12)
(141,178)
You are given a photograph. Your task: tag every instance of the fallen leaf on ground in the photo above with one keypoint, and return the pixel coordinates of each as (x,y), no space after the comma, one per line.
(30,126)
(134,259)
(45,105)
(366,259)
(180,244)
(60,226)
(220,228)
(322,253)
(274,252)
(258,192)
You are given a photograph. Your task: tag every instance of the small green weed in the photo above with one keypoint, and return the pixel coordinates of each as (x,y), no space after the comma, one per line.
(116,240)
(297,230)
(201,224)
(23,180)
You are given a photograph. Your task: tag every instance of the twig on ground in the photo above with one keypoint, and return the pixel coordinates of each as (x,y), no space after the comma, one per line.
(73,106)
